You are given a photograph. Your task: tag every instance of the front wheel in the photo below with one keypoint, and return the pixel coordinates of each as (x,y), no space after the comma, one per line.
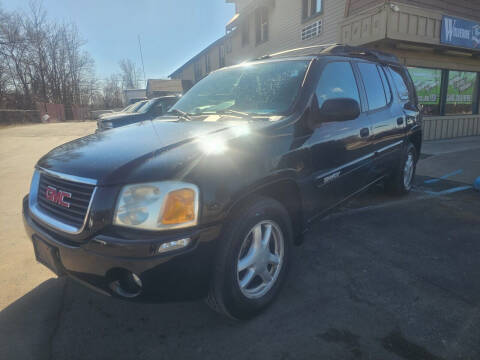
(401,180)
(252,260)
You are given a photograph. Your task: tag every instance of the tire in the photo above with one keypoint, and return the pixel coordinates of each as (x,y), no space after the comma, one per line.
(240,246)
(400,182)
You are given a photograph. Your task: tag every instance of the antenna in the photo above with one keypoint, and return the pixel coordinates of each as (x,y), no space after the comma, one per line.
(141,57)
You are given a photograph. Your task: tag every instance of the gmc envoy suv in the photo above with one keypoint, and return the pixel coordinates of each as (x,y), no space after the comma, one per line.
(208,200)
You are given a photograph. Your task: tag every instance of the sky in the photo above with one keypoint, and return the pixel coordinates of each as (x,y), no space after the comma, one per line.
(171,31)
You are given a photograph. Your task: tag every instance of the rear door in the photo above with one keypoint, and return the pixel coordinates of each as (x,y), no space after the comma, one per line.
(407,97)
(340,151)
(385,114)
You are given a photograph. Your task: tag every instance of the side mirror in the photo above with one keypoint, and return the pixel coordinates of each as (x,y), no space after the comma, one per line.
(340,109)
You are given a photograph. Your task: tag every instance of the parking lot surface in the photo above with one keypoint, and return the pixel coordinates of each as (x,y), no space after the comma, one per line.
(381,278)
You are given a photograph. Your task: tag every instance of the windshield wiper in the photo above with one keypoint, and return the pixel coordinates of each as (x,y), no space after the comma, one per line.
(181,114)
(234,112)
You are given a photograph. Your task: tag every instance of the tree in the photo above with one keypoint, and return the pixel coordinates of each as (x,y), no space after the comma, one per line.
(42,60)
(112,93)
(130,74)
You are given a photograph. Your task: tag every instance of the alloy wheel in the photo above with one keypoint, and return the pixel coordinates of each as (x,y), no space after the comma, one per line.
(260,259)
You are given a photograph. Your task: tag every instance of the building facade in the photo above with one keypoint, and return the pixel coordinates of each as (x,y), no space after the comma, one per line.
(163,87)
(438,40)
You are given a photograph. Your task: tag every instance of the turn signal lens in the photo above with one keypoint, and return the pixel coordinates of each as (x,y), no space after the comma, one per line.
(179,207)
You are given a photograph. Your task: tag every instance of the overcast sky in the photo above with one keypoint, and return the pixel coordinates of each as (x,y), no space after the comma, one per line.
(171,31)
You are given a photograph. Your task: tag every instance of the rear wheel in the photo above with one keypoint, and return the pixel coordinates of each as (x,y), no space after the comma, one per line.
(252,260)
(401,180)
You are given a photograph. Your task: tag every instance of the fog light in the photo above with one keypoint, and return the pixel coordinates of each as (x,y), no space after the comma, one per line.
(173,245)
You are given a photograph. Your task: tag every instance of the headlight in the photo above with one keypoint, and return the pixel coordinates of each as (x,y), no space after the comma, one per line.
(157,206)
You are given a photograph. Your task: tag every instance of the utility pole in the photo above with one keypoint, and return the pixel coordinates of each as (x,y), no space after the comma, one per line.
(141,57)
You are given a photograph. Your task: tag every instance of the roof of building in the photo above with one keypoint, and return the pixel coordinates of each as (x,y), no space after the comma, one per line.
(215,43)
(164,85)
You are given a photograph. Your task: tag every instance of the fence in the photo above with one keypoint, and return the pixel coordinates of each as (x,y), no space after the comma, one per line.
(447,127)
(55,112)
(9,117)
(60,112)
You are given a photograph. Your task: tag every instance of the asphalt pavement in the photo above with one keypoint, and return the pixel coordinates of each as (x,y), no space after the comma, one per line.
(381,278)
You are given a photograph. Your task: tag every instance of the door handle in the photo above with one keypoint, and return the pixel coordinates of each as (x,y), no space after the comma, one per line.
(400,121)
(364,132)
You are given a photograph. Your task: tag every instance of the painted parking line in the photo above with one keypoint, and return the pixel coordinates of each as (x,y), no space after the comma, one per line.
(448,191)
(446,176)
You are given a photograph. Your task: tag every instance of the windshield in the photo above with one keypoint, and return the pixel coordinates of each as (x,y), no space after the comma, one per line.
(268,88)
(126,108)
(147,105)
(136,107)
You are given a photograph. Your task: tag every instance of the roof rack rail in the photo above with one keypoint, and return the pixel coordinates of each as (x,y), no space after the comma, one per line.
(286,52)
(359,51)
(338,49)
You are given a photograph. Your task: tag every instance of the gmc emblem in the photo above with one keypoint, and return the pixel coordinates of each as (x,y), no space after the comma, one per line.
(58,196)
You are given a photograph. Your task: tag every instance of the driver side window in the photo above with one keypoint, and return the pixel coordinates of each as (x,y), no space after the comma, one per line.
(337,81)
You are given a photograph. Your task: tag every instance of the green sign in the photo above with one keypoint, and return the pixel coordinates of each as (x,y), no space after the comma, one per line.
(427,83)
(460,87)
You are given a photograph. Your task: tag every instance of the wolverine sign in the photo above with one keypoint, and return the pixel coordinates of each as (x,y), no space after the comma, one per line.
(460,32)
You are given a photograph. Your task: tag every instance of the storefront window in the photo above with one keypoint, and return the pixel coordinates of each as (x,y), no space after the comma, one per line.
(461,87)
(427,83)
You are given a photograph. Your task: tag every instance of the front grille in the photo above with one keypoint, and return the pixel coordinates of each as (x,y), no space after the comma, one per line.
(81,194)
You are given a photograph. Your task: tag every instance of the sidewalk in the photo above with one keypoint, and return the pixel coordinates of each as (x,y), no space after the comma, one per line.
(455,159)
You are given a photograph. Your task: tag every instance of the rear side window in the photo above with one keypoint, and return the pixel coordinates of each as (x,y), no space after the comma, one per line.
(373,85)
(386,85)
(400,83)
(337,81)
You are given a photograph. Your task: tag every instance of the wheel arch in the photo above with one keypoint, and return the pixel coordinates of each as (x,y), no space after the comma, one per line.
(285,191)
(416,139)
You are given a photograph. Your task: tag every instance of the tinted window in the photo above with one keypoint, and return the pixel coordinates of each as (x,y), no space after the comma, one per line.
(373,86)
(386,85)
(400,83)
(337,81)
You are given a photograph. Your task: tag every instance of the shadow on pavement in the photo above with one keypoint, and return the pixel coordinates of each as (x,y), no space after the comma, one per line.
(27,325)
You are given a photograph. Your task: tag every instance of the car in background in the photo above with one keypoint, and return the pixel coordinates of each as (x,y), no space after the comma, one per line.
(143,110)
(128,109)
(99,114)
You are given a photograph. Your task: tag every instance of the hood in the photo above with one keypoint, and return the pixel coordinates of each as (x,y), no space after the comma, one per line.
(118,115)
(112,156)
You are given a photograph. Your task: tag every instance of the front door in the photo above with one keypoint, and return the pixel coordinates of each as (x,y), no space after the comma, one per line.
(340,151)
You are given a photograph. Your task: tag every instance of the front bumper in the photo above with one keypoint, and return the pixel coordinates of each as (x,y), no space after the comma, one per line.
(100,261)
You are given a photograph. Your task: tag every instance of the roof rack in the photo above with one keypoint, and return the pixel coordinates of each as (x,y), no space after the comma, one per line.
(286,52)
(358,51)
(337,49)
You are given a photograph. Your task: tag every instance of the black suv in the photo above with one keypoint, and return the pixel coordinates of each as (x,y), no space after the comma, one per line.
(147,111)
(208,200)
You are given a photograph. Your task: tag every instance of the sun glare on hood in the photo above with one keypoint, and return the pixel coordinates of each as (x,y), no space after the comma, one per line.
(212,145)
